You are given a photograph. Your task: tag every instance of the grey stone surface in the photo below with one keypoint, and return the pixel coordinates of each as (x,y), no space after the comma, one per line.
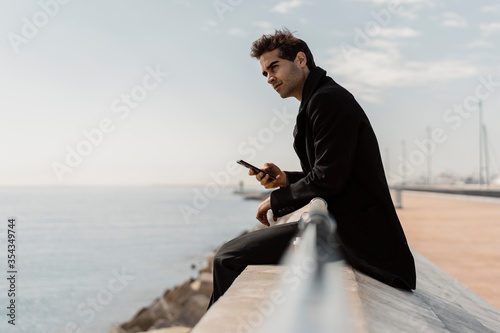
(439,304)
(239,306)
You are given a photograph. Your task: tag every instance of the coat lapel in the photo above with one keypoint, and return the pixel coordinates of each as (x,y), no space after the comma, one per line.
(310,86)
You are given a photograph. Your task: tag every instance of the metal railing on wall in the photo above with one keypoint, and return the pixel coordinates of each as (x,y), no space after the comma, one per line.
(311,288)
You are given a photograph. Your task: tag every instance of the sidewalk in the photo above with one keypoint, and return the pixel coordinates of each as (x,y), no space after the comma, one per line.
(461,237)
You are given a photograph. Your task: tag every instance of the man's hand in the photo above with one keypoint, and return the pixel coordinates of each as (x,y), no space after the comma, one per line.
(273,170)
(262,212)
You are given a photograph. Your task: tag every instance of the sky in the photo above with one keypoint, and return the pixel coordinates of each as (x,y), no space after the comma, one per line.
(164,92)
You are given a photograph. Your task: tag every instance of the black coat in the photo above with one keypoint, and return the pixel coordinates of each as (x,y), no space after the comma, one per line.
(341,163)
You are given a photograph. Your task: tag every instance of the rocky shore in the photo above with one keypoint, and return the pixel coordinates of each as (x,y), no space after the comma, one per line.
(179,309)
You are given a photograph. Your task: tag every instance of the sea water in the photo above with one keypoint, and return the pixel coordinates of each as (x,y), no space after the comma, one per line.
(88,258)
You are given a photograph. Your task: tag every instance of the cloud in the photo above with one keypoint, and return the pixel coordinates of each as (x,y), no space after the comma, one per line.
(489,28)
(408,15)
(285,6)
(398,33)
(237,32)
(370,72)
(209,26)
(338,33)
(430,3)
(480,43)
(451,19)
(262,25)
(491,9)
(184,3)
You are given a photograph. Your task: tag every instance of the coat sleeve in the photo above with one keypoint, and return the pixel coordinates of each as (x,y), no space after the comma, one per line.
(335,132)
(294,176)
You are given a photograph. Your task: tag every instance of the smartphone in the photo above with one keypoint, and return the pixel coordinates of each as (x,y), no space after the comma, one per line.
(254,168)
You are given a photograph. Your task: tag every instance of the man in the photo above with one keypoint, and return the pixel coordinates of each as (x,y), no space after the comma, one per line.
(340,162)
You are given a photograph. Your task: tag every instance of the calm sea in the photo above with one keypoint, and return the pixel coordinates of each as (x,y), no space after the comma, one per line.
(89,258)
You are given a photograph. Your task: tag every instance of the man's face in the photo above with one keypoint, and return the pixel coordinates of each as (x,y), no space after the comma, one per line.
(285,76)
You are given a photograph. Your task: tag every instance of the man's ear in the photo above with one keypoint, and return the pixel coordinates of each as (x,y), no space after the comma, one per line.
(301,58)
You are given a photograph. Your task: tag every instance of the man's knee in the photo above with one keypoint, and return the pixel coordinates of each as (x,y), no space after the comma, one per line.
(230,256)
(222,255)
(217,260)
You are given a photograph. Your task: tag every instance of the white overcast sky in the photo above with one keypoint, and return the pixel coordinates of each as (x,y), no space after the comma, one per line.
(407,70)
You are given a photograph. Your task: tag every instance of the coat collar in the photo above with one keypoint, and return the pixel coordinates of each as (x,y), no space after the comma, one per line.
(312,81)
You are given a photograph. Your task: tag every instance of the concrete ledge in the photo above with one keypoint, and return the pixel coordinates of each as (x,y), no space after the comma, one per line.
(439,304)
(239,306)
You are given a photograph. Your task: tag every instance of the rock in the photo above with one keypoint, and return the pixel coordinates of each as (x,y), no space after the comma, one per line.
(195,285)
(179,294)
(206,284)
(117,330)
(176,329)
(148,316)
(194,309)
(206,269)
(160,323)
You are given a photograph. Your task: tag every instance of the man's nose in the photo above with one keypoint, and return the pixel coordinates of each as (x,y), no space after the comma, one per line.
(270,78)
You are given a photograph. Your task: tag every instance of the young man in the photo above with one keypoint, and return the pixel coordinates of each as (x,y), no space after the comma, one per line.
(340,162)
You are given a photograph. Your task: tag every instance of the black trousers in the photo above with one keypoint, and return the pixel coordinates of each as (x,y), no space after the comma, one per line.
(260,247)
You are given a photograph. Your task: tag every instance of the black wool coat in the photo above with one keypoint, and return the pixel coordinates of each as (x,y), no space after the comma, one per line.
(341,163)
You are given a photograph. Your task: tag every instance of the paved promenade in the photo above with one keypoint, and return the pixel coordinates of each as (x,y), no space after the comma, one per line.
(462,237)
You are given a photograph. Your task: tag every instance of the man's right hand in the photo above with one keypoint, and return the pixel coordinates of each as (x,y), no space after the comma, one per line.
(273,170)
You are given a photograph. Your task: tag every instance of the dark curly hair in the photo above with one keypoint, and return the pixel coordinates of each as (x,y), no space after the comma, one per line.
(286,42)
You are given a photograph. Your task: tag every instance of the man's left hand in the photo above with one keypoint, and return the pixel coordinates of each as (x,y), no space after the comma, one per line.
(262,212)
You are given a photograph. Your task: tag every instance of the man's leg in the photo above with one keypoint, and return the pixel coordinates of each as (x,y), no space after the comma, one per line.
(260,247)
